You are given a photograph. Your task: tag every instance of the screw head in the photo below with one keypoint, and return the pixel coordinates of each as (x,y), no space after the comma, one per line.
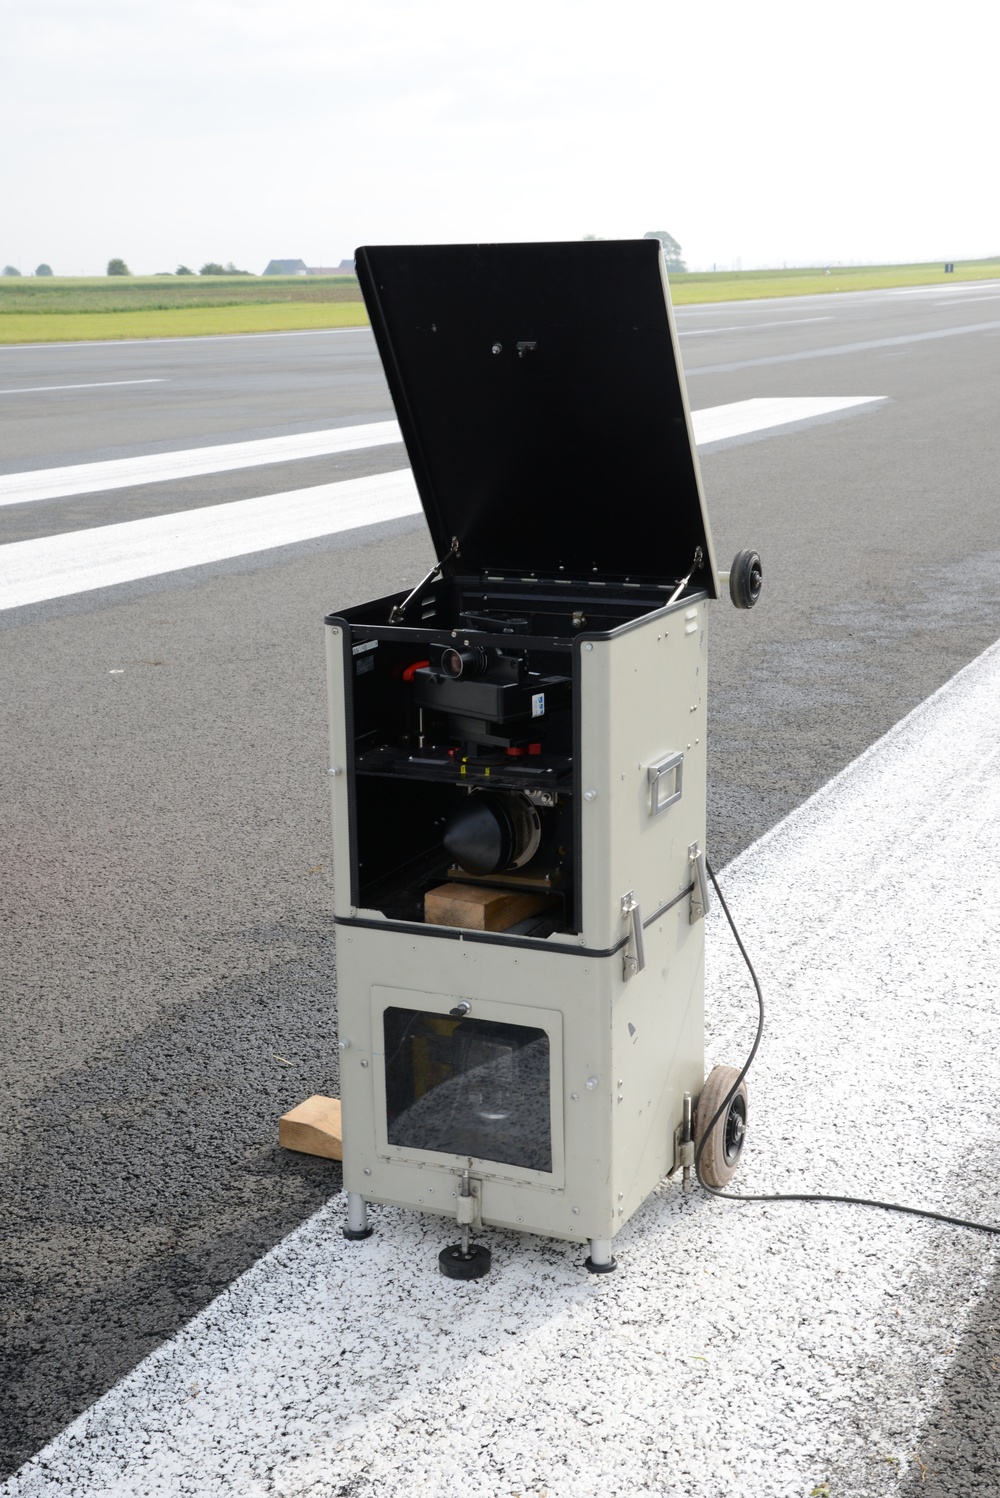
(591,1083)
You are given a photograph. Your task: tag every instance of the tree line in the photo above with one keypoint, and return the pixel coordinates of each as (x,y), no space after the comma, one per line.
(117,267)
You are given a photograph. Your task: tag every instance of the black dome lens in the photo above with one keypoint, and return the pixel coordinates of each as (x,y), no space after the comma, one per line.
(480,835)
(493,831)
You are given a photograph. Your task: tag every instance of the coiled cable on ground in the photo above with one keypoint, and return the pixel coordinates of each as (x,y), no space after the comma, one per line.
(786,1196)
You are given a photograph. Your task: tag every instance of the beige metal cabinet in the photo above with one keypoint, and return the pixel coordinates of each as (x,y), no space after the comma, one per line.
(524,732)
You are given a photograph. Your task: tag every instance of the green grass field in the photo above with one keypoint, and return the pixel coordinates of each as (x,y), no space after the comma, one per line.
(735,286)
(61,309)
(91,294)
(178,322)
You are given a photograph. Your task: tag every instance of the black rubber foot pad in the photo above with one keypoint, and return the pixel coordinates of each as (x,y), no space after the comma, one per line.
(470,1266)
(601,1268)
(354,1235)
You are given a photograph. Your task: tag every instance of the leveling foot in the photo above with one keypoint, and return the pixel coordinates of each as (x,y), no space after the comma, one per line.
(468,1263)
(357,1218)
(601,1260)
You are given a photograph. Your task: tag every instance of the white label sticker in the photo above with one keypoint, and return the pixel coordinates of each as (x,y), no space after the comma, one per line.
(365,645)
(538,705)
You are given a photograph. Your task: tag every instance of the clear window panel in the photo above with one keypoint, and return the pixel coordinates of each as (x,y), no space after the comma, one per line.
(468,1087)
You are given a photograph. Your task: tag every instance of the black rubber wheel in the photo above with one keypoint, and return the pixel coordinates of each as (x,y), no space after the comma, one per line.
(722,1153)
(470,1266)
(746,577)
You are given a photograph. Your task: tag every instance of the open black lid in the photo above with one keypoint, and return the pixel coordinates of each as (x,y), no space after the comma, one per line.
(540,395)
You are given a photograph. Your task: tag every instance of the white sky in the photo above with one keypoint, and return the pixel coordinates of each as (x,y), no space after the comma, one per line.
(775,132)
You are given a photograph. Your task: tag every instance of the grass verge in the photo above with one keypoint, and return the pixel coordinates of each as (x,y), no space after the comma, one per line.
(178,322)
(738,286)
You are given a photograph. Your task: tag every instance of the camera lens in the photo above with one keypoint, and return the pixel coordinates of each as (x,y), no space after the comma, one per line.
(470,661)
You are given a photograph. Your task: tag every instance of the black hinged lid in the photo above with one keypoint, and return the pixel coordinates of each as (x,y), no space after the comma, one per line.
(541,399)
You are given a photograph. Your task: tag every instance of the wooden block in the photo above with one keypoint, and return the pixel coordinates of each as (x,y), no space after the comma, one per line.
(479,907)
(313,1128)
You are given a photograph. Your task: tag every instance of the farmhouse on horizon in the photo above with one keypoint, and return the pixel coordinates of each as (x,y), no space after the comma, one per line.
(299,268)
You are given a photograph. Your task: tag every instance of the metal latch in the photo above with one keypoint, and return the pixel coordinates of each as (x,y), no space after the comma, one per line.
(699,880)
(663,792)
(635,960)
(468,1210)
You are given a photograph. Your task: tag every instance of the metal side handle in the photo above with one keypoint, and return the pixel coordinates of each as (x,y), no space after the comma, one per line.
(665,780)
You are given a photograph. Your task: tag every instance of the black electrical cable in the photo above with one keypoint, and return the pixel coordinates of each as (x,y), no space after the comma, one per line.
(733,1196)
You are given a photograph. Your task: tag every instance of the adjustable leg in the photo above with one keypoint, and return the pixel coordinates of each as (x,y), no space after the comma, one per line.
(601,1260)
(357,1217)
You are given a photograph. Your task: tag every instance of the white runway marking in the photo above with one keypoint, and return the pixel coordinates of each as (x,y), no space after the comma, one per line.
(759,1350)
(938,287)
(738,419)
(78,561)
(190,462)
(954,301)
(126,473)
(103,556)
(745,327)
(90,385)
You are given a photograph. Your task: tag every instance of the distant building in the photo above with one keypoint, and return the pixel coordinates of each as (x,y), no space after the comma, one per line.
(286,268)
(345,268)
(299,268)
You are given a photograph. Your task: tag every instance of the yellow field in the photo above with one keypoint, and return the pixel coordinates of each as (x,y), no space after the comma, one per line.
(180,322)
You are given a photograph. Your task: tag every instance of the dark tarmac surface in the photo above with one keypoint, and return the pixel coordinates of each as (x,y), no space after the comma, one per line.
(167,953)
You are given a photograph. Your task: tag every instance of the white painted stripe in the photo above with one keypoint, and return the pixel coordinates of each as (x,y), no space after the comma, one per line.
(740,418)
(103,556)
(332,1367)
(940,286)
(78,561)
(190,462)
(121,473)
(954,301)
(90,385)
(747,327)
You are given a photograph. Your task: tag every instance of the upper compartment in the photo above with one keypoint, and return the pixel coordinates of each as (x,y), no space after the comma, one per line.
(541,399)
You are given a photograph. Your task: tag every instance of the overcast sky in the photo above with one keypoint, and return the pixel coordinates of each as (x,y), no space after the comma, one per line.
(772,133)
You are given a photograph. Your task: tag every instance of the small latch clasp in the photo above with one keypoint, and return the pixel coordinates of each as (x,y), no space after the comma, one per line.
(635,959)
(699,881)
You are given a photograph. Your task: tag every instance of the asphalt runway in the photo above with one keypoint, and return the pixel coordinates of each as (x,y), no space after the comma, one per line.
(168,964)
